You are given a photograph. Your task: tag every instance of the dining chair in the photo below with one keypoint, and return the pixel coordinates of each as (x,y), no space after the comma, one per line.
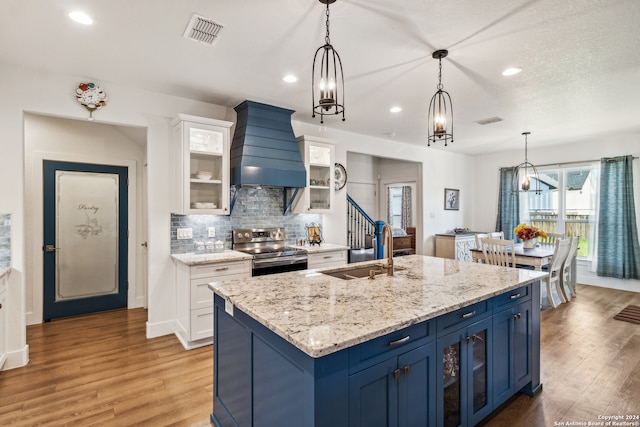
(551,238)
(480,236)
(498,252)
(555,271)
(568,273)
(496,235)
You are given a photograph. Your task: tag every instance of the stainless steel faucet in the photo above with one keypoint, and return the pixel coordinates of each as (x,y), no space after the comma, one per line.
(387,239)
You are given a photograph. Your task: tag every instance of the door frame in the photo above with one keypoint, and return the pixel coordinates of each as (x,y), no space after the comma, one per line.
(101,301)
(136,295)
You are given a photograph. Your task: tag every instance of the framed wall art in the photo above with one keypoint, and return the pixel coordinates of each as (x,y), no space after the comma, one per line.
(451,199)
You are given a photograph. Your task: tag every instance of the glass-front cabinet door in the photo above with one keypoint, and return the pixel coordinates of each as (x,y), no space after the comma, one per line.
(464,376)
(318,157)
(202,165)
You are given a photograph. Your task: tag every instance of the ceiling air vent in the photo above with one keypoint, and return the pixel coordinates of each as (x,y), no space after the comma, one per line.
(490,120)
(201,29)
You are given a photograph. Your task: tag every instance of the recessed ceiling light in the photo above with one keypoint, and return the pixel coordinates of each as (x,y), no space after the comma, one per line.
(395,109)
(290,78)
(512,71)
(81,17)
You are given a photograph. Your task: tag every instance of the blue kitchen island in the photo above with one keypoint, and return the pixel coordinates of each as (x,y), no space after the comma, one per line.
(439,343)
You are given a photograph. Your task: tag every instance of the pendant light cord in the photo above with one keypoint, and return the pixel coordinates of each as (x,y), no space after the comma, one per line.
(327,40)
(440,74)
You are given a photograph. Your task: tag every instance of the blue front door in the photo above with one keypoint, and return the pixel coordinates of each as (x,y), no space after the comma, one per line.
(85,238)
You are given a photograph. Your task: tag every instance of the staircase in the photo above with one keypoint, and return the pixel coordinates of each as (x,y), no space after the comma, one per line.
(363,233)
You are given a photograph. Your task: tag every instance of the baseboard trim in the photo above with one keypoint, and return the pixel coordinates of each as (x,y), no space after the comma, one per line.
(17,359)
(190,345)
(160,329)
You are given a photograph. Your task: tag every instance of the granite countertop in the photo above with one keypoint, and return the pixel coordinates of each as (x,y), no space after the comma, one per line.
(323,247)
(320,314)
(210,258)
(4,271)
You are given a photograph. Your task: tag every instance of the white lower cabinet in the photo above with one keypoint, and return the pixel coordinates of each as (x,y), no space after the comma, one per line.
(3,321)
(195,300)
(336,258)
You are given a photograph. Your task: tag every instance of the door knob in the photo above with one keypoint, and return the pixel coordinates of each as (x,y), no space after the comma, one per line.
(50,248)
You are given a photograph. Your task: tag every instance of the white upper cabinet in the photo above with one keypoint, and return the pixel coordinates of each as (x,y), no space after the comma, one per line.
(318,155)
(202,165)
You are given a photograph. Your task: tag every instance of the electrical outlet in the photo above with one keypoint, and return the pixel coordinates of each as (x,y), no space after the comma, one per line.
(184,233)
(212,231)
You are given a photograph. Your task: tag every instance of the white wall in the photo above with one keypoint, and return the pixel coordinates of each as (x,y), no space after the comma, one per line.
(41,92)
(362,182)
(487,178)
(440,169)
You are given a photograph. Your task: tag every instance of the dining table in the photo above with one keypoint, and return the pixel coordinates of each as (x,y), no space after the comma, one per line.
(535,257)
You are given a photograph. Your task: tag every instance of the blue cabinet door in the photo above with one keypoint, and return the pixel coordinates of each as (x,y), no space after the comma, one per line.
(511,351)
(479,374)
(399,391)
(503,386)
(451,387)
(463,374)
(373,396)
(522,345)
(417,387)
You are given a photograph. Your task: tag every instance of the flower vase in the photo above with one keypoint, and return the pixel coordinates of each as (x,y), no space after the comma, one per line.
(530,244)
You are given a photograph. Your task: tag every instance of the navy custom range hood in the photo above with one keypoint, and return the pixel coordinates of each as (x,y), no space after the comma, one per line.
(264,151)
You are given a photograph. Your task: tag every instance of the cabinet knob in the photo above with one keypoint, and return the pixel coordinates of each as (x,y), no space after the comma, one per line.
(406,370)
(517,316)
(468,339)
(396,374)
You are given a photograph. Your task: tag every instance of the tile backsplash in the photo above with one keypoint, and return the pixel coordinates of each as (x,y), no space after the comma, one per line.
(254,208)
(5,240)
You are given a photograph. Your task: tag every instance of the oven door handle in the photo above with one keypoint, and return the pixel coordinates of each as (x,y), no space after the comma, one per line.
(266,262)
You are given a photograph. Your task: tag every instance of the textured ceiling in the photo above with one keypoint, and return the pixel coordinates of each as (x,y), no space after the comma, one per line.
(580,58)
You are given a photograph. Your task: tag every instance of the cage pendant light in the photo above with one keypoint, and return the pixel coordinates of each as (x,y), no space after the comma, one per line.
(440,108)
(327,81)
(524,173)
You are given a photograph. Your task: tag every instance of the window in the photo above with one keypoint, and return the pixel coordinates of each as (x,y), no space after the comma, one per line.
(400,204)
(395,207)
(567,204)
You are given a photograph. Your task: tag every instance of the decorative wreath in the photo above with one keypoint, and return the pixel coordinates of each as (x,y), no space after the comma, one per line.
(91,96)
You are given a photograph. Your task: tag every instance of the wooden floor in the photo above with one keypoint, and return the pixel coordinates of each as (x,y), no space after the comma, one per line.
(590,363)
(100,370)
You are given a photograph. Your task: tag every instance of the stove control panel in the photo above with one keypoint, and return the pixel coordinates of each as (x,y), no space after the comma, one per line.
(253,235)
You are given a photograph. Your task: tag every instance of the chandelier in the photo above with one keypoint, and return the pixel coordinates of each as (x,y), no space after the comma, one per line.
(440,109)
(327,82)
(524,173)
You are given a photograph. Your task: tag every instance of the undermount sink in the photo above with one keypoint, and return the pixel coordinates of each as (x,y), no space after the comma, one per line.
(358,272)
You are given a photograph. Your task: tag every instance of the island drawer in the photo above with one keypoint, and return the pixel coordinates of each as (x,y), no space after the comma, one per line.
(463,316)
(372,351)
(515,296)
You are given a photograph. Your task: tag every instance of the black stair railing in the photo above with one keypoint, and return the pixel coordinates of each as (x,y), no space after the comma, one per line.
(361,229)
